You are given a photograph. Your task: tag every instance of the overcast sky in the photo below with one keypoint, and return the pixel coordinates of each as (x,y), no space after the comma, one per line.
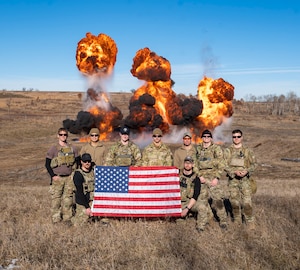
(254,45)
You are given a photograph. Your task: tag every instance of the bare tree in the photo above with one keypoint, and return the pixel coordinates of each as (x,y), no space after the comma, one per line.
(8,104)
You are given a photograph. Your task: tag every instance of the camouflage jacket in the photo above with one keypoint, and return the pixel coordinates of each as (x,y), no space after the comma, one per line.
(123,155)
(210,161)
(239,159)
(157,156)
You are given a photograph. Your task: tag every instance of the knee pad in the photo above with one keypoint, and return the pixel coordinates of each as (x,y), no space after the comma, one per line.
(219,204)
(248,209)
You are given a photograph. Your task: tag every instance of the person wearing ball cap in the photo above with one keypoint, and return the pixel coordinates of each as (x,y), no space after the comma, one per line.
(186,149)
(95,147)
(157,153)
(190,188)
(124,152)
(83,179)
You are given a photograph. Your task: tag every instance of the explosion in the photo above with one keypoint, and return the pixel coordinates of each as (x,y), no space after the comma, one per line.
(154,104)
(96,54)
(95,58)
(217,96)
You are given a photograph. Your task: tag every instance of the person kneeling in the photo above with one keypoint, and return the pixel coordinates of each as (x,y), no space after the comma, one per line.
(190,188)
(84,190)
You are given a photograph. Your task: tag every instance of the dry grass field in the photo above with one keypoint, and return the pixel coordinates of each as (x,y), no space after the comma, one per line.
(28,240)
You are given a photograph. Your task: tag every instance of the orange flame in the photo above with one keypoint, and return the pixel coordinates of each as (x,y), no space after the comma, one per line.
(206,111)
(96,54)
(156,71)
(216,96)
(154,104)
(106,127)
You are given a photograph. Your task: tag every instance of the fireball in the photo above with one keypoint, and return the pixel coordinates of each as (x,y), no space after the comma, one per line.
(96,54)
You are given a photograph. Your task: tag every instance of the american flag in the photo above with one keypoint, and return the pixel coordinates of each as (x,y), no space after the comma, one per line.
(136,192)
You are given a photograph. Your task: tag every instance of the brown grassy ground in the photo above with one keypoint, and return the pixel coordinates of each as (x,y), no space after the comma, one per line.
(29,121)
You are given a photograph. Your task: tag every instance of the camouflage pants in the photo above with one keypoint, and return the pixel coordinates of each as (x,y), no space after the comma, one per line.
(80,217)
(240,198)
(195,208)
(217,196)
(61,192)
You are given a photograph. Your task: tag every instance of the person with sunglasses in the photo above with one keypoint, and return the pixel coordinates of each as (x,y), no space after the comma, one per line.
(84,183)
(95,148)
(190,188)
(157,153)
(211,166)
(61,158)
(240,166)
(186,149)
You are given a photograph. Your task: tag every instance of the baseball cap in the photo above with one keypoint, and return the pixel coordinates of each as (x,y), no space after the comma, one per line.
(124,130)
(94,131)
(86,157)
(157,131)
(187,134)
(189,159)
(206,132)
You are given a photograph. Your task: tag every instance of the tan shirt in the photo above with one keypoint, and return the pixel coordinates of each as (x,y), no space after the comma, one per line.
(97,152)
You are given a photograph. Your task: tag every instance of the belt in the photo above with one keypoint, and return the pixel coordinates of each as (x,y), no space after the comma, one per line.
(64,175)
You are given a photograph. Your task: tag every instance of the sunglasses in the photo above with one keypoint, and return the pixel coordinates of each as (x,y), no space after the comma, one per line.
(63,134)
(156,136)
(88,161)
(94,135)
(234,137)
(206,136)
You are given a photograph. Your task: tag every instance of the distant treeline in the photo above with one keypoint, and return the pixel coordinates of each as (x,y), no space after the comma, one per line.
(288,104)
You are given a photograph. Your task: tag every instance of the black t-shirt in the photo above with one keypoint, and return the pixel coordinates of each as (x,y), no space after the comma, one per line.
(197,185)
(80,198)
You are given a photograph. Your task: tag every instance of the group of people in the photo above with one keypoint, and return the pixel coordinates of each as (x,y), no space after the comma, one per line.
(204,167)
(201,167)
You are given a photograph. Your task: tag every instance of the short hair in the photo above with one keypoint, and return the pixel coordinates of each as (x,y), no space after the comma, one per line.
(237,131)
(62,129)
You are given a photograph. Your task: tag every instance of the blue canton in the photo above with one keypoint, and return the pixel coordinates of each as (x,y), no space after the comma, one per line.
(111,179)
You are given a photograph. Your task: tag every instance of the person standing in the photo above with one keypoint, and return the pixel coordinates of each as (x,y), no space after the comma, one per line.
(124,152)
(211,165)
(157,153)
(95,148)
(84,183)
(190,188)
(186,149)
(240,165)
(60,160)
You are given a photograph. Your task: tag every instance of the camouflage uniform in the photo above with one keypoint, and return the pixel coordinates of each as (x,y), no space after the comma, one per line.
(84,184)
(97,152)
(61,190)
(211,165)
(187,191)
(157,155)
(123,155)
(240,191)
